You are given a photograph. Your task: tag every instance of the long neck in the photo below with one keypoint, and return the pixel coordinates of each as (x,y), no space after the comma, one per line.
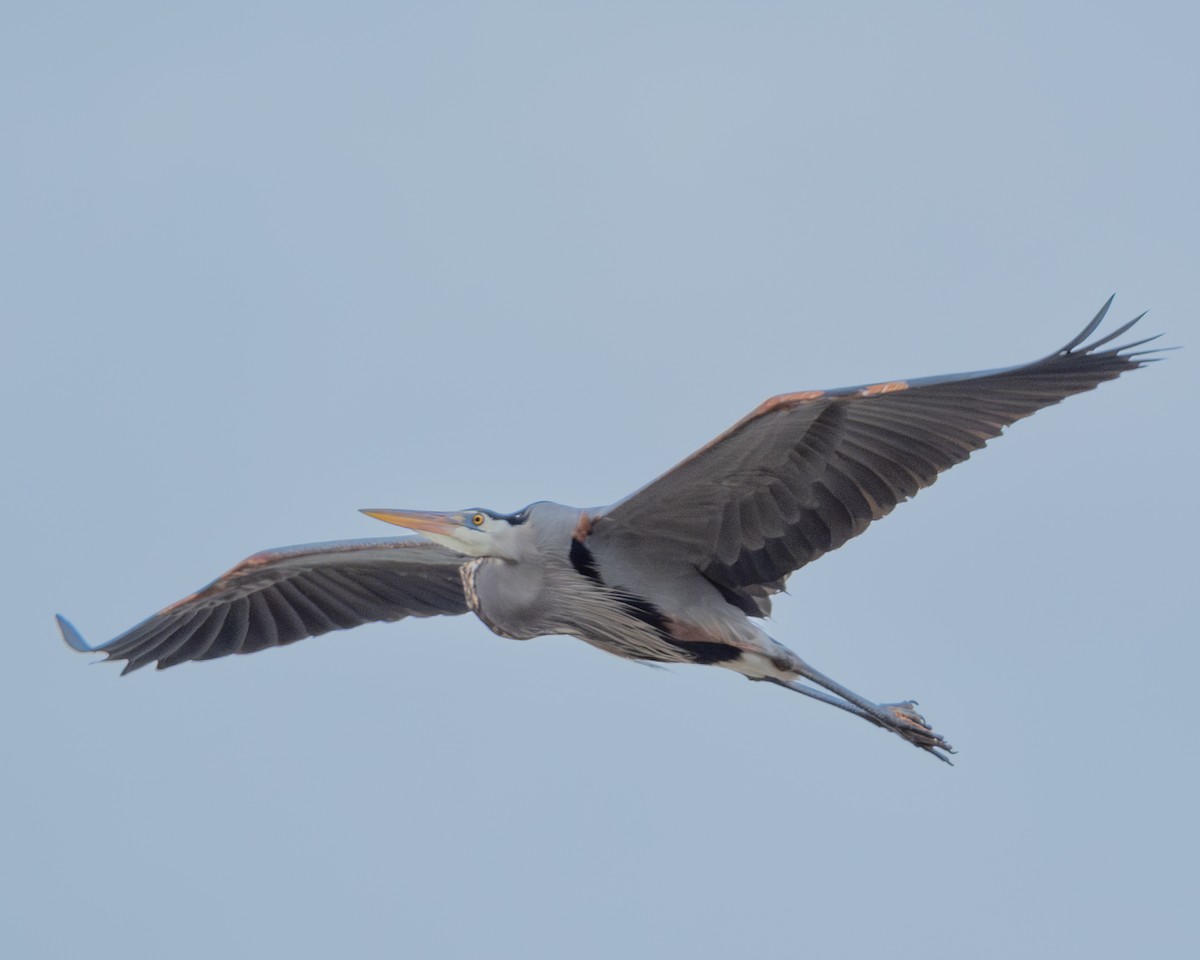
(538,591)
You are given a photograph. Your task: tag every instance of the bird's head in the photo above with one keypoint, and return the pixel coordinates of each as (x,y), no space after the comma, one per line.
(476,532)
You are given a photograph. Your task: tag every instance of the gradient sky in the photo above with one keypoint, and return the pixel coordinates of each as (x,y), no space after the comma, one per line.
(265,264)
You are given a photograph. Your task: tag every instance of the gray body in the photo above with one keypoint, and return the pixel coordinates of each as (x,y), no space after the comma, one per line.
(679,571)
(591,587)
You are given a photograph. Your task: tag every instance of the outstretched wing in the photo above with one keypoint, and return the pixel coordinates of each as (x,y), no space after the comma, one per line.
(805,472)
(280,596)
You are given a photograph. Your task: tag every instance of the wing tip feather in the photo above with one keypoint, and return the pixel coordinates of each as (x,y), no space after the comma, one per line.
(1091,327)
(1079,346)
(72,637)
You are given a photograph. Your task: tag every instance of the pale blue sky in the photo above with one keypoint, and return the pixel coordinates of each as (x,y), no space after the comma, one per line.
(265,264)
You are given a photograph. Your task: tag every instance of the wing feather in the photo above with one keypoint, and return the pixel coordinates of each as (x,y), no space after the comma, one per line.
(233,630)
(280,596)
(806,472)
(198,646)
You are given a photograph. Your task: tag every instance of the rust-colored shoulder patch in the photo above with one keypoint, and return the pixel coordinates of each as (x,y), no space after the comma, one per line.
(890,387)
(583,529)
(784,400)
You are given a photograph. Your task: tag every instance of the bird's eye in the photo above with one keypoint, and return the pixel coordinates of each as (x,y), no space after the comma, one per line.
(477,519)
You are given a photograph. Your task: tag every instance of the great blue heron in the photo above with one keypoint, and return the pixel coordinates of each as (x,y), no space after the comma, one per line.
(678,571)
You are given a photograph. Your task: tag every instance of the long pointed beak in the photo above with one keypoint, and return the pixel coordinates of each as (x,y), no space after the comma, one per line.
(423,521)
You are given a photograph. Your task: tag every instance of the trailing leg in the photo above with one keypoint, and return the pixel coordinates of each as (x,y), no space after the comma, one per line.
(783,668)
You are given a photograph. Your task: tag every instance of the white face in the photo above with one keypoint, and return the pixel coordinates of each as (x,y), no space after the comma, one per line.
(474,533)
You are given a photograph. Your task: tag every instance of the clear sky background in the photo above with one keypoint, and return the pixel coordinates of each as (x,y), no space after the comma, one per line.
(264,264)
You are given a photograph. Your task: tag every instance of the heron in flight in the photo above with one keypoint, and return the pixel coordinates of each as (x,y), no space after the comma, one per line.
(681,571)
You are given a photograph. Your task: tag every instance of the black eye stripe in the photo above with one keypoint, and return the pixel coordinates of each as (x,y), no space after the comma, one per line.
(512,518)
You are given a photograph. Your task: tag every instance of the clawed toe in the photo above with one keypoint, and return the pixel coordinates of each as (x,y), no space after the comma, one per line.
(904,711)
(913,727)
(900,718)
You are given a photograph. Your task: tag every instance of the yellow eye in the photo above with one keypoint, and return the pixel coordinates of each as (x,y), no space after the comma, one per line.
(477,519)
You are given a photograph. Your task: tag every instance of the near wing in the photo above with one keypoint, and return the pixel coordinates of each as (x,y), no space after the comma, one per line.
(280,596)
(805,472)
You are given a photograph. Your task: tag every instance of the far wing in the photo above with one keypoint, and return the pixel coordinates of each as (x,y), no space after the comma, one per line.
(805,472)
(280,596)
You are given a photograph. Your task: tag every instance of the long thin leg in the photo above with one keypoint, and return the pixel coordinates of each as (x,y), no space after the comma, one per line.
(821,695)
(900,718)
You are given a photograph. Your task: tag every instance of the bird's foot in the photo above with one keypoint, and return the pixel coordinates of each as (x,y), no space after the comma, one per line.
(904,721)
(901,718)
